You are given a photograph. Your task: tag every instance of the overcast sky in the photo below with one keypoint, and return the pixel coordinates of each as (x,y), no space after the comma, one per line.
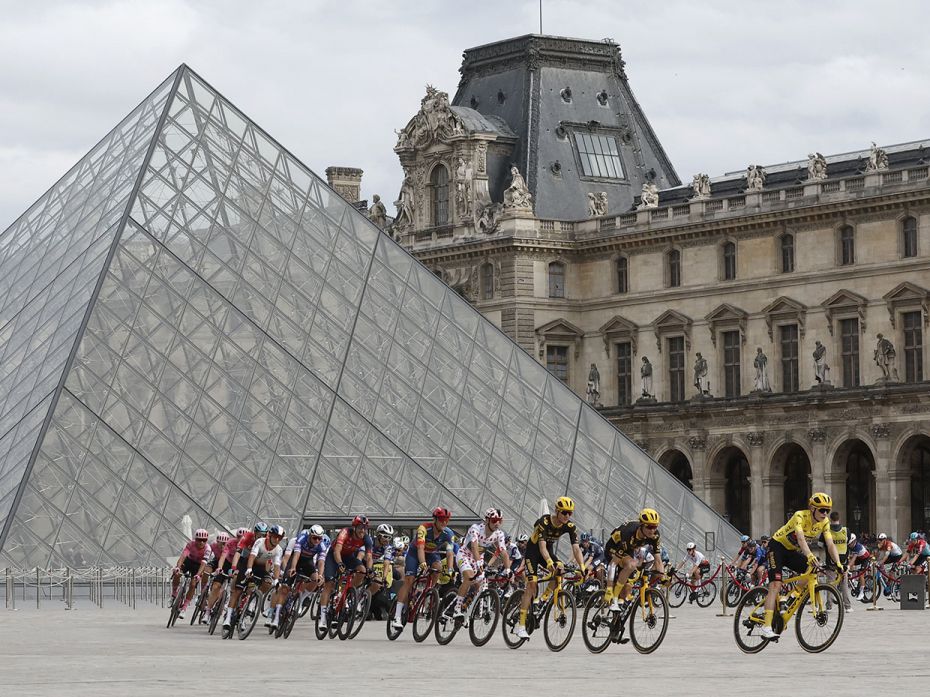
(723,83)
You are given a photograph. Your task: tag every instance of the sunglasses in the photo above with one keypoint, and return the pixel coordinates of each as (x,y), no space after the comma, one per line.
(316,537)
(567,514)
(651,527)
(825,511)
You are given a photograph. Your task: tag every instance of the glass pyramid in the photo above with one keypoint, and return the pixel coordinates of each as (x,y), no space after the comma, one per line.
(196,331)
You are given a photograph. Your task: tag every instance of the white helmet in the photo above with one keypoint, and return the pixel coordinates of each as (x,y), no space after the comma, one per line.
(883,536)
(404,540)
(690,546)
(852,539)
(317,530)
(385,529)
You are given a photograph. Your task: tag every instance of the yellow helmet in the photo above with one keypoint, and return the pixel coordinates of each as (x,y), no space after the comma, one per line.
(564,503)
(820,500)
(649,516)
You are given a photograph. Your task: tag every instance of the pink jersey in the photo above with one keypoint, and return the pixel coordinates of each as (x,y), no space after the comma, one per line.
(230,549)
(195,552)
(217,549)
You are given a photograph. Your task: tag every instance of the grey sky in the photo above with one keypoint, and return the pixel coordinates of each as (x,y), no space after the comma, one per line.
(723,83)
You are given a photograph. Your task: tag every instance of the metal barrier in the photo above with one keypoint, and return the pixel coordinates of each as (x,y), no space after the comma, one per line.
(87,587)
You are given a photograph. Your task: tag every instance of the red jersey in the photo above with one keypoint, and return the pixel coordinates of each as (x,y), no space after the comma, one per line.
(195,552)
(247,541)
(351,543)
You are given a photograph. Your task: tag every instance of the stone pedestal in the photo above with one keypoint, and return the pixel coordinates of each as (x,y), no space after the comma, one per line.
(822,386)
(518,222)
(646,400)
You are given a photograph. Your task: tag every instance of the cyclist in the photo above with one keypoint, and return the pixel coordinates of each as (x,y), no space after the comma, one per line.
(593,553)
(626,550)
(481,538)
(889,553)
(430,542)
(266,550)
(858,556)
(917,551)
(217,547)
(345,554)
(540,552)
(789,547)
(517,553)
(699,566)
(383,554)
(743,546)
(247,541)
(194,558)
(223,569)
(757,566)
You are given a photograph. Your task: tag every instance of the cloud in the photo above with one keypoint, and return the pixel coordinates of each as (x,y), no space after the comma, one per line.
(723,83)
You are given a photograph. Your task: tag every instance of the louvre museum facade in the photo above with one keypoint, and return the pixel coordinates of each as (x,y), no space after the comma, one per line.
(759,333)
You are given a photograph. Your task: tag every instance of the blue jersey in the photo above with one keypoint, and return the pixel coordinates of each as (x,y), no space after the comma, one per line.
(516,556)
(306,548)
(759,556)
(386,552)
(594,552)
(663,555)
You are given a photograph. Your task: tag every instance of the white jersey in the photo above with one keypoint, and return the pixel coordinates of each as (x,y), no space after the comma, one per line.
(262,554)
(290,545)
(487,542)
(695,559)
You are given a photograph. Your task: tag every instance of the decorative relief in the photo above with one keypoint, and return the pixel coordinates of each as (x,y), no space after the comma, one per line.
(700,187)
(817,435)
(642,444)
(756,439)
(697,443)
(517,196)
(880,431)
(816,167)
(597,204)
(878,159)
(755,178)
(649,198)
(434,122)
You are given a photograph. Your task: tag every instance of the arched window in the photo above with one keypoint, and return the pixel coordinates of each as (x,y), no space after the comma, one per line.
(729,261)
(556,280)
(847,245)
(439,195)
(909,236)
(487,281)
(623,275)
(673,268)
(787,253)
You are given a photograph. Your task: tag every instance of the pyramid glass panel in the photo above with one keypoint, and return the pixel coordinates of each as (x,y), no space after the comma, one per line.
(245,345)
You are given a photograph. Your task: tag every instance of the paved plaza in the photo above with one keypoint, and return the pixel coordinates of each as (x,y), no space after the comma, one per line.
(116,651)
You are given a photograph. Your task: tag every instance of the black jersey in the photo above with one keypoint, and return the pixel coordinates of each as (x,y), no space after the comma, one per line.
(545,529)
(626,539)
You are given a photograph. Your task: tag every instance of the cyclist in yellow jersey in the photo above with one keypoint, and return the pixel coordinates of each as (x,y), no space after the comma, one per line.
(789,547)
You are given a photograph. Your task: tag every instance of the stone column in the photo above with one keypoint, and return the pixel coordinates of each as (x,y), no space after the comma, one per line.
(835,485)
(699,475)
(883,505)
(819,465)
(899,481)
(773,496)
(760,517)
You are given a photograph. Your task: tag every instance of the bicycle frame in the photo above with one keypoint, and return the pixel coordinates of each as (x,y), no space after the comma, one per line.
(423,584)
(808,581)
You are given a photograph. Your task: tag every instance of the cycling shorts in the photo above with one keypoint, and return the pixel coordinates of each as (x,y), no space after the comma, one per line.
(259,571)
(223,574)
(190,567)
(412,561)
(535,564)
(466,562)
(331,568)
(780,556)
(305,566)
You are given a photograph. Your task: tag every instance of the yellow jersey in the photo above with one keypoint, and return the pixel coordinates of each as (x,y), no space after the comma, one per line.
(802,522)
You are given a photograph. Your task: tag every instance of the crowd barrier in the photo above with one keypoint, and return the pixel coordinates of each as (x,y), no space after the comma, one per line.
(99,587)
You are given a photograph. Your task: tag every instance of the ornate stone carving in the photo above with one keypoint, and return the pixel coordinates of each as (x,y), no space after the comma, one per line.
(463,279)
(700,187)
(517,196)
(885,359)
(464,187)
(756,439)
(593,391)
(488,218)
(880,431)
(816,167)
(697,443)
(481,153)
(649,198)
(406,205)
(642,444)
(434,122)
(817,435)
(755,178)
(377,213)
(597,204)
(878,159)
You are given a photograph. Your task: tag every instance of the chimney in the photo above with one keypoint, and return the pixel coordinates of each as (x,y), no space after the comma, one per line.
(347,182)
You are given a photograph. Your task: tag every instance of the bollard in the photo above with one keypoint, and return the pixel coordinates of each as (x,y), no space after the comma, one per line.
(38,588)
(70,590)
(724,590)
(133,586)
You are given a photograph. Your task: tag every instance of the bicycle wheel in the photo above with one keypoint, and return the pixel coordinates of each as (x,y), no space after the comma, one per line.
(868,588)
(734,593)
(559,622)
(748,620)
(250,614)
(392,633)
(343,623)
(446,626)
(322,631)
(816,626)
(176,603)
(425,615)
(484,616)
(511,618)
(219,607)
(677,594)
(360,612)
(706,594)
(198,610)
(597,623)
(649,624)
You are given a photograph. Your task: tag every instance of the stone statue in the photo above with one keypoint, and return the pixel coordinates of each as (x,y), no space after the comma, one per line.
(649,198)
(761,364)
(405,204)
(488,218)
(434,122)
(463,186)
(755,178)
(645,373)
(597,204)
(517,195)
(594,386)
(816,167)
(700,187)
(885,358)
(878,159)
(821,369)
(377,213)
(700,375)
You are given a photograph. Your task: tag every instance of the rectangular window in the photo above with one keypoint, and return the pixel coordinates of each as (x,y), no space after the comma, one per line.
(913,346)
(624,374)
(910,237)
(557,361)
(731,359)
(729,261)
(676,368)
(487,282)
(599,156)
(556,280)
(849,351)
(623,275)
(787,253)
(788,338)
(847,246)
(673,259)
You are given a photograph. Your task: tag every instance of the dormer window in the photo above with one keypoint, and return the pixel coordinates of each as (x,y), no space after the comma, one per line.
(599,155)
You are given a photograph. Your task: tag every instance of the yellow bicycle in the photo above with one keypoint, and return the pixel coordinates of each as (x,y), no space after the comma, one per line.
(817,608)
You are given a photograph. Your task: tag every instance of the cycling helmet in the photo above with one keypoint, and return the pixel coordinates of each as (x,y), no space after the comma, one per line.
(852,539)
(201,534)
(882,536)
(523,538)
(564,503)
(649,516)
(386,530)
(360,520)
(493,514)
(398,542)
(744,539)
(405,540)
(915,536)
(691,546)
(751,543)
(764,538)
(241,531)
(223,538)
(506,539)
(820,500)
(260,529)
(276,530)
(585,537)
(317,530)
(440,513)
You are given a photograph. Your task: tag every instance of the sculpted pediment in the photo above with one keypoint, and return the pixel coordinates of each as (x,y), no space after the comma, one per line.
(619,328)
(907,296)
(784,308)
(726,315)
(672,322)
(845,301)
(435,121)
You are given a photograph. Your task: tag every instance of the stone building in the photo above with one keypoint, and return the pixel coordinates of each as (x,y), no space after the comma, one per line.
(722,290)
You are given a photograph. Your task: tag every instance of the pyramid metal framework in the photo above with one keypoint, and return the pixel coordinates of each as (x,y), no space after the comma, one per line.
(195,330)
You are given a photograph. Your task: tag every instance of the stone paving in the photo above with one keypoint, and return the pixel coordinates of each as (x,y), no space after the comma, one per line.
(116,651)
